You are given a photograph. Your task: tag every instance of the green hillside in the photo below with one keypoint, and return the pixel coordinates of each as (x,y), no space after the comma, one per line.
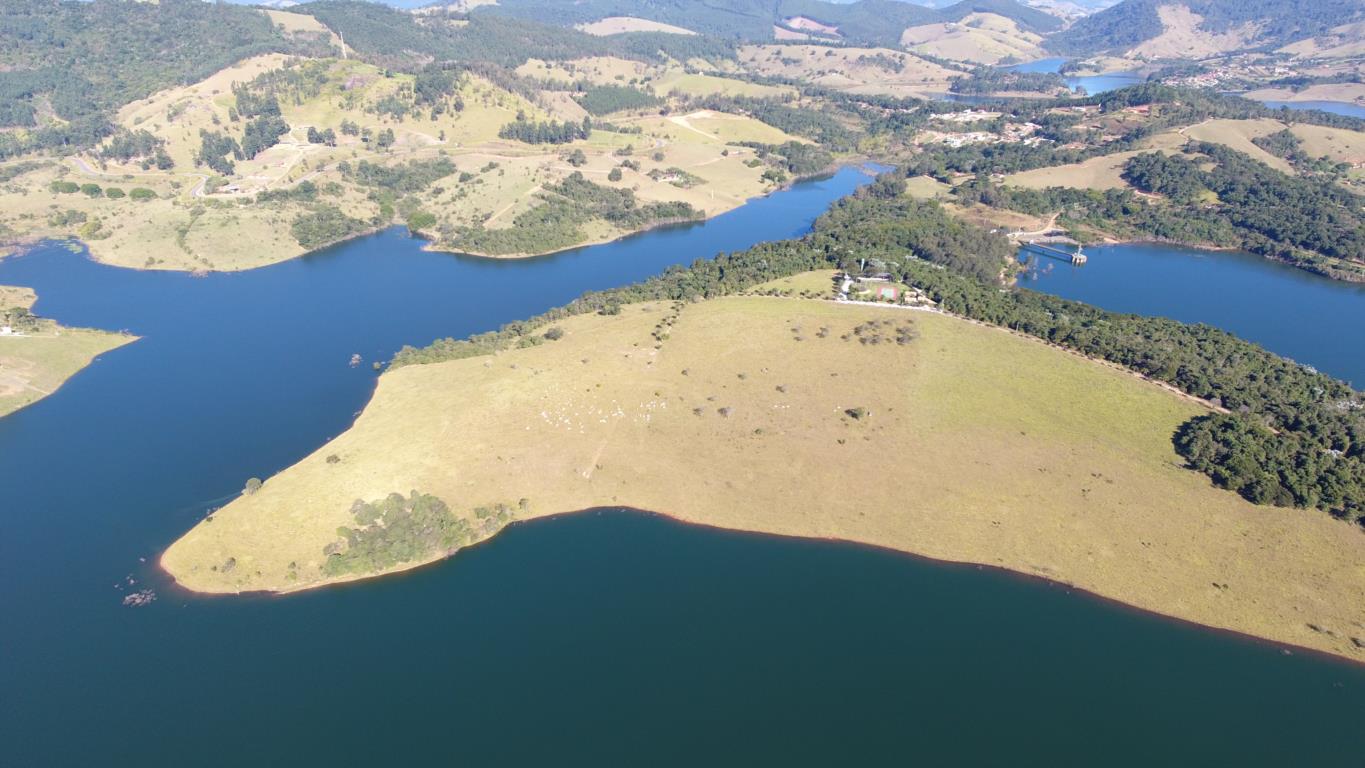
(66,65)
(878,22)
(1279,22)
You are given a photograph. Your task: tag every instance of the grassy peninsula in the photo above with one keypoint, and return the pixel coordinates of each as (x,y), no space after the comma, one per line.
(907,429)
(37,354)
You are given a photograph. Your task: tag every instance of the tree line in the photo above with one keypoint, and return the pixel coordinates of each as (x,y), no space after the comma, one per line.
(1291,436)
(547,132)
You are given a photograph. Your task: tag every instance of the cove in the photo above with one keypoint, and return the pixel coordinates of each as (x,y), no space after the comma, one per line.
(1291,312)
(604,638)
(1093,84)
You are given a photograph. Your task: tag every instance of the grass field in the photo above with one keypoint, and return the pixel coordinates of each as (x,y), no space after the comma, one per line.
(1337,144)
(16,297)
(979,38)
(1346,41)
(1103,172)
(1347,92)
(964,443)
(188,225)
(697,84)
(926,188)
(615,25)
(861,70)
(35,364)
(819,283)
(1237,134)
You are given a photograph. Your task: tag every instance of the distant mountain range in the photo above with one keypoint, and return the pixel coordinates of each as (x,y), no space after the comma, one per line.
(1155,29)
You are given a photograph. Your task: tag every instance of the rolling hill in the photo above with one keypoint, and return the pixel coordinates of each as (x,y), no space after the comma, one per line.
(1197,28)
(877,22)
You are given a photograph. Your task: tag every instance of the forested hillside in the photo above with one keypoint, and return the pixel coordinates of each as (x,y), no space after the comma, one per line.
(78,61)
(1276,22)
(877,22)
(402,39)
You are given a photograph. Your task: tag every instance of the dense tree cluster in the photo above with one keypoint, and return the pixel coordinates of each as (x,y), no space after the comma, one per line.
(605,99)
(126,145)
(215,149)
(434,83)
(326,136)
(808,122)
(1295,219)
(394,530)
(1287,145)
(251,102)
(303,192)
(556,221)
(986,80)
(412,176)
(795,157)
(324,225)
(547,132)
(262,133)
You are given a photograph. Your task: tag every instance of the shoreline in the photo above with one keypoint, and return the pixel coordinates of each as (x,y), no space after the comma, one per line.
(1113,602)
(1107,241)
(954,528)
(22,245)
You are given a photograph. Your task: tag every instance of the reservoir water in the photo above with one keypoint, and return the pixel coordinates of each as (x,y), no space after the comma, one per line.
(1337,107)
(1294,313)
(598,639)
(1093,84)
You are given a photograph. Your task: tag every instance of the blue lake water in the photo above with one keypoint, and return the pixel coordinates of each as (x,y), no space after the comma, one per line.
(1294,313)
(1092,84)
(1335,107)
(605,638)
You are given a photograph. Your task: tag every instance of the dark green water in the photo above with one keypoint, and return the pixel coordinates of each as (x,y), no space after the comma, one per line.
(602,639)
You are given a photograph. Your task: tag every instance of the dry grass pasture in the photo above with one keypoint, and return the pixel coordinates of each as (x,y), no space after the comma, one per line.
(199,222)
(819,283)
(1183,37)
(1344,92)
(1344,42)
(972,444)
(33,365)
(698,84)
(858,70)
(1103,172)
(615,25)
(1338,144)
(926,188)
(16,297)
(1237,134)
(979,38)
